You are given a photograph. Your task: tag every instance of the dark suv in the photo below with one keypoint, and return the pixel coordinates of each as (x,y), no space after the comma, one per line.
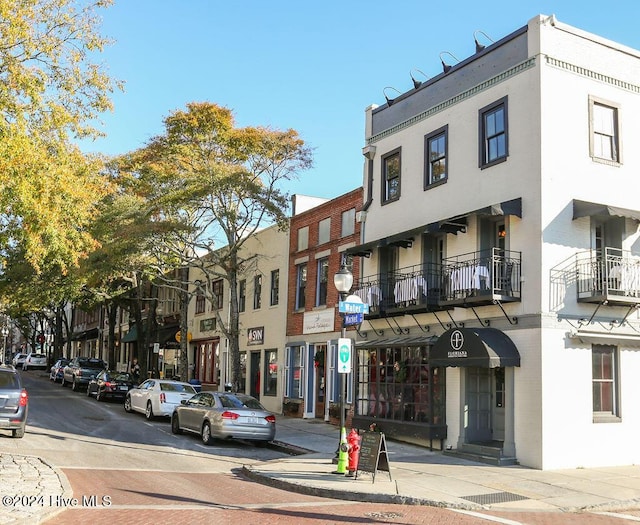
(79,371)
(14,401)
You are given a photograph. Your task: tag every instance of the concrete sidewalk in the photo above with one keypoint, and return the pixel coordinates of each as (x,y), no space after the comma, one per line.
(420,477)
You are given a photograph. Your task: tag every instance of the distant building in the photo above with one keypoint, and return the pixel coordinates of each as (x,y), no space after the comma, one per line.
(319,239)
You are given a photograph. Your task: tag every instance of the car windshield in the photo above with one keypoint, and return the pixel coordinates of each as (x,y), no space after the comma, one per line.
(234,401)
(91,363)
(119,376)
(39,356)
(9,381)
(177,387)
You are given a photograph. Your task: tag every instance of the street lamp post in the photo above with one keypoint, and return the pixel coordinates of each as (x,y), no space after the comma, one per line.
(343,280)
(5,333)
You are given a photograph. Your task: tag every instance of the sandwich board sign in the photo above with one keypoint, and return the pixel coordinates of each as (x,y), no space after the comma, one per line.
(373,455)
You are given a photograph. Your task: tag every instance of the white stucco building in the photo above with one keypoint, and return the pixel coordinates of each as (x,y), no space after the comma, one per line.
(501,254)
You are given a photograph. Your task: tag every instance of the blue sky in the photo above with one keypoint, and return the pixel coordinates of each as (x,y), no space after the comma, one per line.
(310,66)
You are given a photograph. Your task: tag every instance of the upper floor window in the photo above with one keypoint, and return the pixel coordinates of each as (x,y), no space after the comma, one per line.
(348,222)
(323,280)
(436,157)
(604,131)
(242,295)
(257,292)
(391,176)
(494,144)
(324,230)
(217,289)
(301,285)
(200,301)
(303,238)
(275,287)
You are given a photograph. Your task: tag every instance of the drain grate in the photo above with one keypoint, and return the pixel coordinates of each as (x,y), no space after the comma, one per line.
(494,497)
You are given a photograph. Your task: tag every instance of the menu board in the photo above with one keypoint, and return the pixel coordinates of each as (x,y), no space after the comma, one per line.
(373,454)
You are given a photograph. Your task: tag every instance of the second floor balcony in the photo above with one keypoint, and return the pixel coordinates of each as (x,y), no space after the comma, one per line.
(471,279)
(611,277)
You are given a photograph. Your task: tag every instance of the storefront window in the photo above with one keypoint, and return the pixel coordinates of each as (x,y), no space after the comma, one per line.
(271,372)
(398,384)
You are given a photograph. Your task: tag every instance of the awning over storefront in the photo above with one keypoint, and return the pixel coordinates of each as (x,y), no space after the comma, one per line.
(593,209)
(606,338)
(479,347)
(131,336)
(391,342)
(85,335)
(167,337)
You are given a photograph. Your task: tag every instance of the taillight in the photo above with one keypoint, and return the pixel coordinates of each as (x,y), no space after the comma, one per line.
(163,398)
(271,419)
(229,415)
(108,384)
(24,398)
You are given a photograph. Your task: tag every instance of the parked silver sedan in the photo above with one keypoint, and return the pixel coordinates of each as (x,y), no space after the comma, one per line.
(157,397)
(224,415)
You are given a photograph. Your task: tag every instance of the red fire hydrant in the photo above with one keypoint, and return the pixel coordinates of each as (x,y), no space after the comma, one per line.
(353,444)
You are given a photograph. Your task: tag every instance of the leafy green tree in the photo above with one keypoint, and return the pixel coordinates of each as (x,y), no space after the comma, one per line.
(220,183)
(52,91)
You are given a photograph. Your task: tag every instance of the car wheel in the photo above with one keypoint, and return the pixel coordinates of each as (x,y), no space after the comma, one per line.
(18,432)
(148,413)
(127,404)
(206,434)
(88,392)
(175,424)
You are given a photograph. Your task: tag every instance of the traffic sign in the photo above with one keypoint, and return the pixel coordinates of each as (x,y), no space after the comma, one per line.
(345,307)
(344,356)
(353,319)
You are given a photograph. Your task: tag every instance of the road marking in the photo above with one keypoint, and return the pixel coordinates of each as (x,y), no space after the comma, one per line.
(487,517)
(619,515)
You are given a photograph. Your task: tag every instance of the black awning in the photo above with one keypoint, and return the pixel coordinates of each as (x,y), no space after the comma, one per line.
(593,209)
(391,342)
(459,223)
(167,337)
(85,335)
(479,347)
(404,239)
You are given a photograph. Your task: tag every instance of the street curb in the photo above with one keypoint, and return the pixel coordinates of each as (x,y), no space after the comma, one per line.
(349,495)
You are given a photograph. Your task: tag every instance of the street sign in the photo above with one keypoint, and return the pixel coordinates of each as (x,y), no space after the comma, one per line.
(344,356)
(353,319)
(345,307)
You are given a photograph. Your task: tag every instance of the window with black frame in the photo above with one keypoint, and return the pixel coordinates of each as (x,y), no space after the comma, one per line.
(398,384)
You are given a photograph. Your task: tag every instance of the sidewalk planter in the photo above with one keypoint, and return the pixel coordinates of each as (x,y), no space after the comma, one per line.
(291,408)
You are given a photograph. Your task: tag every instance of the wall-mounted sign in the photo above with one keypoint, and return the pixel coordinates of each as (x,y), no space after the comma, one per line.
(255,336)
(319,321)
(208,324)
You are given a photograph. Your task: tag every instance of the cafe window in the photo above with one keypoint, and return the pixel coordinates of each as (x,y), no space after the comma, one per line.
(271,372)
(398,384)
(604,382)
(294,372)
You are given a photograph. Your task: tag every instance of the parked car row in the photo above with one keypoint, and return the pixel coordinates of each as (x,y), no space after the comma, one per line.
(209,414)
(30,360)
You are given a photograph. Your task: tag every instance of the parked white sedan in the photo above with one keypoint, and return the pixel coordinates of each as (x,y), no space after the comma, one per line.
(157,397)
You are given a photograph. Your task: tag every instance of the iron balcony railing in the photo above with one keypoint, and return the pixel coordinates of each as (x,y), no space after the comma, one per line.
(612,276)
(478,277)
(482,277)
